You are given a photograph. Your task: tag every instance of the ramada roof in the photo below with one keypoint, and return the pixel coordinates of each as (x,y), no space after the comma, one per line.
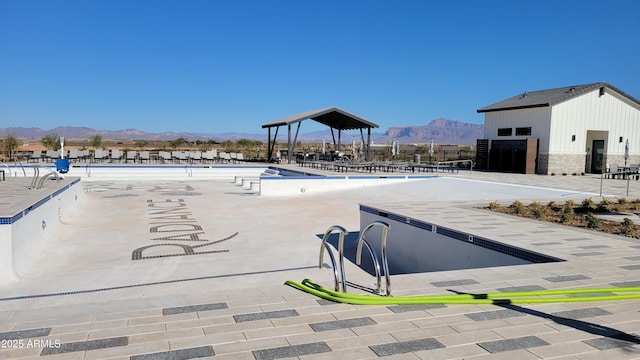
(544,98)
(332,116)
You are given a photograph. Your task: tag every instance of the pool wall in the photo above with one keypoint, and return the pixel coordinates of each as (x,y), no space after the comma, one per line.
(415,246)
(308,185)
(293,183)
(171,172)
(22,233)
(151,172)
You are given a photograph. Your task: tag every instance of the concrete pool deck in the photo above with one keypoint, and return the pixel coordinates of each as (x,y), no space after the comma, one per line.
(111,283)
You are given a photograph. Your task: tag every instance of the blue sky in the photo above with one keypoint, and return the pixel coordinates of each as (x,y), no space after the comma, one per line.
(213,66)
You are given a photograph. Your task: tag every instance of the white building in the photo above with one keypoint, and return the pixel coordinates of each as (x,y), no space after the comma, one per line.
(570,130)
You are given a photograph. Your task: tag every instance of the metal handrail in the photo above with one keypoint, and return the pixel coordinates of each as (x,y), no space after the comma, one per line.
(455,162)
(325,245)
(383,245)
(21,166)
(50,174)
(376,263)
(36,175)
(38,182)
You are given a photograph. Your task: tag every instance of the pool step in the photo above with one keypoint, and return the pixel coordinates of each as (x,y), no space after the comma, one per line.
(248,183)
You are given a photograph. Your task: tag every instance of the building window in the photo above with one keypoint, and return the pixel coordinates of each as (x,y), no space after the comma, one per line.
(523,131)
(505,132)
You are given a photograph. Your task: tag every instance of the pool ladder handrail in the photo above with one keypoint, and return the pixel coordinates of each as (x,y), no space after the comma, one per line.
(325,245)
(21,166)
(362,240)
(38,182)
(339,273)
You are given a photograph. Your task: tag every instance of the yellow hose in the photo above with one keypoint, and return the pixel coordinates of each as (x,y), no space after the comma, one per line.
(524,297)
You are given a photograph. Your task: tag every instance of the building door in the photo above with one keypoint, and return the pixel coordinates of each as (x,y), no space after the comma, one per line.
(597,156)
(516,156)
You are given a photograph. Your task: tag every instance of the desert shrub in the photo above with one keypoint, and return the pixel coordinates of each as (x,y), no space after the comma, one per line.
(570,203)
(622,201)
(593,222)
(519,207)
(604,205)
(494,205)
(568,215)
(616,207)
(554,206)
(628,227)
(588,205)
(540,212)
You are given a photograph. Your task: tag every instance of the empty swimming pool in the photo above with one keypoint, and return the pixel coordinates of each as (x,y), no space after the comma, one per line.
(416,246)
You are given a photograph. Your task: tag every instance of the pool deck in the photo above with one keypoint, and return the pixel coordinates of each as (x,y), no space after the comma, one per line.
(112,284)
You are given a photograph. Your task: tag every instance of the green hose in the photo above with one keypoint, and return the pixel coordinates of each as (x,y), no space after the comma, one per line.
(525,297)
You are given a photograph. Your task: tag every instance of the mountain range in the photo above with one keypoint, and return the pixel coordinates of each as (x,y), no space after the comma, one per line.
(442,131)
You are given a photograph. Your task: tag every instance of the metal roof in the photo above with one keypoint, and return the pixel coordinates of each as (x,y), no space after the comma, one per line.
(332,116)
(544,98)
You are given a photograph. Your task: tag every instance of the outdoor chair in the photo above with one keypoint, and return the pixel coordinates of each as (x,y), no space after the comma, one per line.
(179,156)
(209,156)
(116,155)
(73,155)
(85,154)
(195,156)
(164,156)
(213,155)
(634,171)
(175,156)
(52,155)
(131,155)
(613,172)
(144,156)
(99,155)
(35,156)
(222,156)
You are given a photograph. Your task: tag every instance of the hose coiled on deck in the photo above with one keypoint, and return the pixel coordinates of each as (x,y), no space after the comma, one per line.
(502,298)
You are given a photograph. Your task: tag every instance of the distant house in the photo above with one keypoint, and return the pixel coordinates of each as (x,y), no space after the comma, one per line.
(569,130)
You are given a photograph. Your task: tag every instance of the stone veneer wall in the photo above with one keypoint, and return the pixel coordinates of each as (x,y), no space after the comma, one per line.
(559,164)
(570,164)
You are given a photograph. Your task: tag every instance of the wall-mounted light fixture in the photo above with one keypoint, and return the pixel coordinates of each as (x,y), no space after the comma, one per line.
(620,139)
(573,138)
